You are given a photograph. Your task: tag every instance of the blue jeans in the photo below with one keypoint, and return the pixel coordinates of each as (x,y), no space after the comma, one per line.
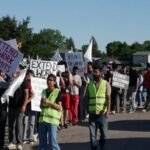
(29,124)
(97,122)
(50,130)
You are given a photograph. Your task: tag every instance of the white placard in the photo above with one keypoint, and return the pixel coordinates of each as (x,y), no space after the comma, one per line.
(9,58)
(61,68)
(38,85)
(43,68)
(120,80)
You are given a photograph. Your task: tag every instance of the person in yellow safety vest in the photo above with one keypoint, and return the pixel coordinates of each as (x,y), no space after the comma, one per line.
(98,105)
(50,115)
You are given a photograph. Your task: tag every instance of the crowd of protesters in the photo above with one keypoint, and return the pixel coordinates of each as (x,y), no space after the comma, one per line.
(71,100)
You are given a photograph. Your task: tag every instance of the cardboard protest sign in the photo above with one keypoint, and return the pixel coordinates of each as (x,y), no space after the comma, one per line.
(9,58)
(75,59)
(120,80)
(61,68)
(12,43)
(35,102)
(43,68)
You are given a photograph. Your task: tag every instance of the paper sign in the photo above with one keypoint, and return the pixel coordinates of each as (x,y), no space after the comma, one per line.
(38,85)
(120,80)
(9,58)
(43,68)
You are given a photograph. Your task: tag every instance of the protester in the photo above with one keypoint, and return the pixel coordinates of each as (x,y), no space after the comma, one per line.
(66,83)
(74,102)
(88,75)
(3,108)
(133,87)
(116,93)
(147,86)
(98,103)
(15,116)
(50,115)
(29,119)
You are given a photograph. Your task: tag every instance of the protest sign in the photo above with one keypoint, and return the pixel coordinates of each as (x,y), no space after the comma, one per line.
(43,68)
(14,86)
(12,43)
(120,80)
(75,59)
(61,68)
(9,58)
(38,85)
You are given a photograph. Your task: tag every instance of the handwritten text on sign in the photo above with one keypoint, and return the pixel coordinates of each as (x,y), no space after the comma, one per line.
(43,68)
(120,80)
(9,58)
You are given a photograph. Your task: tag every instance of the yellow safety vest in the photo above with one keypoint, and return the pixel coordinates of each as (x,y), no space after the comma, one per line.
(97,97)
(49,114)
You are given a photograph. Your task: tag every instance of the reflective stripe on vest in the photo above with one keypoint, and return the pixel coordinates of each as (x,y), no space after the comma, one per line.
(97,97)
(49,114)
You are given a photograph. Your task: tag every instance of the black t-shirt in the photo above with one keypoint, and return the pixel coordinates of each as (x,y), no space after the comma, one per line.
(18,99)
(133,75)
(58,99)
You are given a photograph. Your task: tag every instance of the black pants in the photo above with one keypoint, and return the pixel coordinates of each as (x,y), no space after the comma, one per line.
(3,116)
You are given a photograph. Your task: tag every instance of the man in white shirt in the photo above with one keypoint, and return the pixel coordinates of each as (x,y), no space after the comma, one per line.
(73,114)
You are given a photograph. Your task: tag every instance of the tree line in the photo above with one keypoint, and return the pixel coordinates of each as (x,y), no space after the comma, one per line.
(47,40)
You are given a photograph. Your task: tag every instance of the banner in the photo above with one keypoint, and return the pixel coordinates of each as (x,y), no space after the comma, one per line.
(14,86)
(120,80)
(35,102)
(75,59)
(9,58)
(43,68)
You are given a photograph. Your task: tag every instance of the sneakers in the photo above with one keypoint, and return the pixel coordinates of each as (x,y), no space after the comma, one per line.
(144,110)
(65,125)
(113,112)
(25,142)
(19,147)
(31,142)
(12,146)
(35,136)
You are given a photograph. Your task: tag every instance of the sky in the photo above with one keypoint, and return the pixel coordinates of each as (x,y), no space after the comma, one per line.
(106,20)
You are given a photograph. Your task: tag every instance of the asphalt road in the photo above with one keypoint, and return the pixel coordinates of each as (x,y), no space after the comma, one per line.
(126,132)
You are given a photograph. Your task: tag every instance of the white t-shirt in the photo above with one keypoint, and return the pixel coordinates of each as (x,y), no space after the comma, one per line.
(74,88)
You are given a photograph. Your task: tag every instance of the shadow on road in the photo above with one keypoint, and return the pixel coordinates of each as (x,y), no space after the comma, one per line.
(70,146)
(112,144)
(130,125)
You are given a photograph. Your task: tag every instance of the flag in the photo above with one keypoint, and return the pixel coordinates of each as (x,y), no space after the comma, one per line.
(56,57)
(88,53)
(14,86)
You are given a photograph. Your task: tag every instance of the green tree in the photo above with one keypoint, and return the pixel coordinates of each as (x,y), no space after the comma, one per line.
(95,50)
(45,42)
(146,45)
(70,44)
(8,28)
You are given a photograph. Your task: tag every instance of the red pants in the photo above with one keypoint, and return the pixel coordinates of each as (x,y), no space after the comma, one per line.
(66,101)
(73,113)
